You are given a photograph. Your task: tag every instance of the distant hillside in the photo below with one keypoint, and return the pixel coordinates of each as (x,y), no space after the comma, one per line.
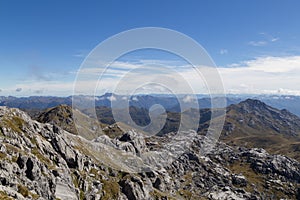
(288,102)
(34,102)
(63,117)
(250,123)
(253,123)
(169,102)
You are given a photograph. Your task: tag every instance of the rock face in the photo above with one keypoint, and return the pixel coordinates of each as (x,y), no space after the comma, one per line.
(61,116)
(71,120)
(43,161)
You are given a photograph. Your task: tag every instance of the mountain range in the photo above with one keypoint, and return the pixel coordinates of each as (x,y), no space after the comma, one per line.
(45,156)
(250,123)
(169,102)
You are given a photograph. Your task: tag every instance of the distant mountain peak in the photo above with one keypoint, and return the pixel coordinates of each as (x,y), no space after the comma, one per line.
(108,94)
(260,108)
(79,123)
(253,104)
(61,108)
(253,123)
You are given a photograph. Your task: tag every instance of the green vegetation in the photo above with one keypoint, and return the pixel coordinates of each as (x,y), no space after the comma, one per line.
(19,122)
(185,193)
(250,175)
(256,179)
(94,171)
(12,149)
(4,196)
(15,123)
(158,195)
(42,158)
(34,196)
(33,140)
(12,125)
(76,183)
(81,195)
(23,190)
(263,128)
(122,174)
(2,155)
(111,190)
(14,159)
(188,178)
(75,180)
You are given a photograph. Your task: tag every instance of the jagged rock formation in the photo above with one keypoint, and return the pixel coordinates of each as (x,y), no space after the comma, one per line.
(72,121)
(42,161)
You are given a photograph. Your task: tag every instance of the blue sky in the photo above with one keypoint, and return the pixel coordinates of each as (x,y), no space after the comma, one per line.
(43,43)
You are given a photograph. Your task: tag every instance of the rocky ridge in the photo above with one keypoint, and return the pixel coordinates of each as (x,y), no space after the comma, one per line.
(43,161)
(66,118)
(253,123)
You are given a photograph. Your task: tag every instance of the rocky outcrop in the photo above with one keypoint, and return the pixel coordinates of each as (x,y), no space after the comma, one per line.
(43,161)
(71,120)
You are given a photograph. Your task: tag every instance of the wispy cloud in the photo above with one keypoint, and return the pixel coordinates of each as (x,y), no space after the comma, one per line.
(36,73)
(223,51)
(263,75)
(257,43)
(276,75)
(274,39)
(269,37)
(260,75)
(266,39)
(54,88)
(81,53)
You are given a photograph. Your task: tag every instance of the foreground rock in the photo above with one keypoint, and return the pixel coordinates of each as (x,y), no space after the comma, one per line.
(42,161)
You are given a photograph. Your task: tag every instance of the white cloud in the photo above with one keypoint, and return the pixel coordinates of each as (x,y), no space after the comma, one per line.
(79,55)
(55,88)
(271,64)
(188,99)
(223,51)
(276,75)
(135,99)
(257,43)
(274,39)
(267,38)
(112,98)
(263,75)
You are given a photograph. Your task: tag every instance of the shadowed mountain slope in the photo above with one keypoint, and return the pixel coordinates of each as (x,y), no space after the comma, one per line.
(252,123)
(63,116)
